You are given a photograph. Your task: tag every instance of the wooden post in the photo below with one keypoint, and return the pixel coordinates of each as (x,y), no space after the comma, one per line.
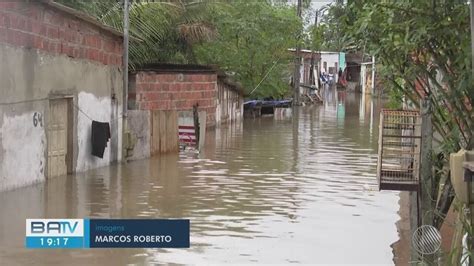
(296,76)
(312,78)
(470,145)
(414,212)
(468,177)
(126,10)
(197,126)
(426,195)
(470,240)
(427,199)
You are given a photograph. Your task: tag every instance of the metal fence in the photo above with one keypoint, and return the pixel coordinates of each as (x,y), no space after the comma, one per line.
(398,165)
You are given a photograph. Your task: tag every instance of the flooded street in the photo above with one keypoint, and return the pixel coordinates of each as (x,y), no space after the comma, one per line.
(299,190)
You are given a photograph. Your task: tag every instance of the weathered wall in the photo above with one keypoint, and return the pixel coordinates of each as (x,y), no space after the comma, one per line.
(103,109)
(176,91)
(34,25)
(230,105)
(331,59)
(45,54)
(23,146)
(139,125)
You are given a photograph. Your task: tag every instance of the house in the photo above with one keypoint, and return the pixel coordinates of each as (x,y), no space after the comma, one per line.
(230,100)
(326,62)
(60,69)
(163,98)
(331,62)
(360,74)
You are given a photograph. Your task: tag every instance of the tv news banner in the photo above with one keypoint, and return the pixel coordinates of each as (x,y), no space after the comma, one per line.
(107,233)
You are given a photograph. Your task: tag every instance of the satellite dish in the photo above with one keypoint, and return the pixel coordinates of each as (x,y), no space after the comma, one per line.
(426,240)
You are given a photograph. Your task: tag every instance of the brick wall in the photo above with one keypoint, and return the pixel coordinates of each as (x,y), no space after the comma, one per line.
(176,91)
(40,26)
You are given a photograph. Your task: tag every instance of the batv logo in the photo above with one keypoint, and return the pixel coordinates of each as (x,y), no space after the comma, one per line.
(54,227)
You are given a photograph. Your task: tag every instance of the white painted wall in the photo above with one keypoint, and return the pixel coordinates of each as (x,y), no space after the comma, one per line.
(302,70)
(100,109)
(24,147)
(227,106)
(218,113)
(28,79)
(331,59)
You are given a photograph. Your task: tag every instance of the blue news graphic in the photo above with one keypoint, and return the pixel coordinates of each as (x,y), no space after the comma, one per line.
(107,233)
(54,233)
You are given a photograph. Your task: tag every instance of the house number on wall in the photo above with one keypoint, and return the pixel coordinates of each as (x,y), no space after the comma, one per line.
(37,119)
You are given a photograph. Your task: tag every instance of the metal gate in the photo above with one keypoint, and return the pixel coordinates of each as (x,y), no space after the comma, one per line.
(398,165)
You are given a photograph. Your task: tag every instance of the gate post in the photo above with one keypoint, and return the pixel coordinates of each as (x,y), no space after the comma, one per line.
(427,199)
(426,195)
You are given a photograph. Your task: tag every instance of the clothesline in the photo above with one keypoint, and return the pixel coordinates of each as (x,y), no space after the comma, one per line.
(91,119)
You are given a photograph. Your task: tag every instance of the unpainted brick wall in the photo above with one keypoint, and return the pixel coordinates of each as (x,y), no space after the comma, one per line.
(176,91)
(31,24)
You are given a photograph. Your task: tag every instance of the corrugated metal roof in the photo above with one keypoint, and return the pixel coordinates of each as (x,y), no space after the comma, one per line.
(310,51)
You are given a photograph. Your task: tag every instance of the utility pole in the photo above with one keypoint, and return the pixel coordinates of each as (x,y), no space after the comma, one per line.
(428,202)
(471,207)
(312,77)
(126,10)
(296,76)
(426,171)
(373,75)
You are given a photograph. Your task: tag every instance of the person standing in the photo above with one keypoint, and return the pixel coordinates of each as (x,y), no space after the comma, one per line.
(339,75)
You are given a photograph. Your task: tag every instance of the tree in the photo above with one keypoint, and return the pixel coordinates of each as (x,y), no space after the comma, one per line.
(424,51)
(253,40)
(163,31)
(334,35)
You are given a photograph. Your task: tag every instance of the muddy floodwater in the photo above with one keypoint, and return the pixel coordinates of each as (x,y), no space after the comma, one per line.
(298,189)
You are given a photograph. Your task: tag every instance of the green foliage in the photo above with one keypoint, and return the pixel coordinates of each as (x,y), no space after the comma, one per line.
(425,43)
(396,95)
(162,31)
(317,37)
(94,8)
(459,256)
(254,37)
(334,36)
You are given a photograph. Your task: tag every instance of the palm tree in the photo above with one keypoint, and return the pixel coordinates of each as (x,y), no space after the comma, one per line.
(161,31)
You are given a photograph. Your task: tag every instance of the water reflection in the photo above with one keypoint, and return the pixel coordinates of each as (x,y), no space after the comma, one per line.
(299,190)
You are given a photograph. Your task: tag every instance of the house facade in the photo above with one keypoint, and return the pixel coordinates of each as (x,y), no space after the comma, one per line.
(174,87)
(166,97)
(60,70)
(230,100)
(325,62)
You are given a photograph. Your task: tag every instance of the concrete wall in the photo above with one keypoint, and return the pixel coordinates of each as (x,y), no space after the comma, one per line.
(139,125)
(230,104)
(175,91)
(331,59)
(305,65)
(44,54)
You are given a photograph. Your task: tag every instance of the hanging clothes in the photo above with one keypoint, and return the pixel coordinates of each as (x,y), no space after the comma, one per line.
(99,137)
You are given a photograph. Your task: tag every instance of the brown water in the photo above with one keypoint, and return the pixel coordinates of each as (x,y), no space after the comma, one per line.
(299,190)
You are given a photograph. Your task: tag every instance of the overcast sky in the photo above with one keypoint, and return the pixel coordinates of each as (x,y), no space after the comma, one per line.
(308,15)
(319,3)
(315,4)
